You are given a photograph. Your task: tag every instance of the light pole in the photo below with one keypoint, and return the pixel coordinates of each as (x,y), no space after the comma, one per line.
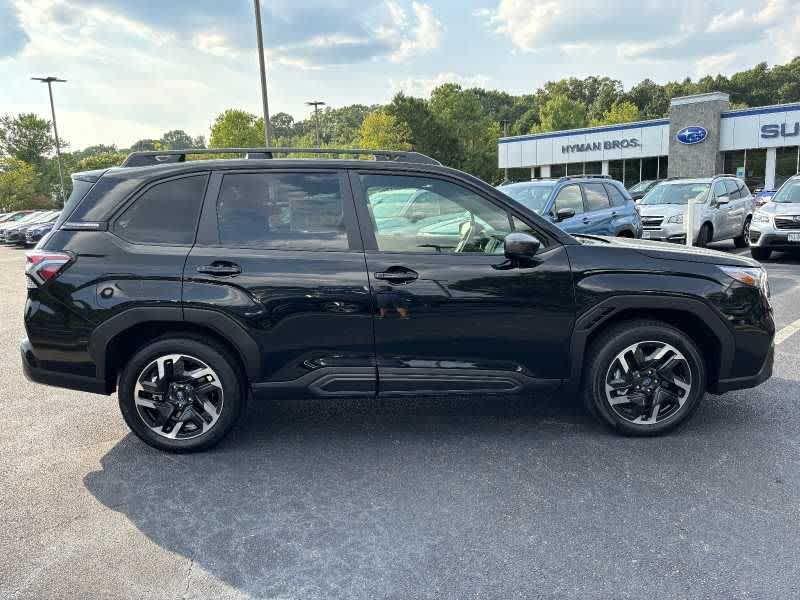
(49,81)
(316,104)
(263,70)
(505,135)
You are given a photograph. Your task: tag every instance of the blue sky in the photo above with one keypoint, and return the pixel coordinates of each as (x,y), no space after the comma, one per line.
(136,68)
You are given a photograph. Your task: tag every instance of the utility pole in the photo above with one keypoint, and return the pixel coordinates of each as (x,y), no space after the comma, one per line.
(505,134)
(49,81)
(263,69)
(316,104)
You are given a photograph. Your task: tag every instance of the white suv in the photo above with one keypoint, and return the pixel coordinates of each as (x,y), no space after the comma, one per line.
(776,225)
(723,210)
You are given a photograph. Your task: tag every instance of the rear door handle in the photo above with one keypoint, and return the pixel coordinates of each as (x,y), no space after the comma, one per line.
(397,275)
(220,269)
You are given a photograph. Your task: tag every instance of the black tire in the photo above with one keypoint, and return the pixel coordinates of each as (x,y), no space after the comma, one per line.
(741,241)
(600,357)
(217,358)
(760,253)
(704,236)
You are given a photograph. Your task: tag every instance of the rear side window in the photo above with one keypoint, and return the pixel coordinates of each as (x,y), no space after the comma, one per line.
(596,197)
(282,211)
(617,199)
(166,213)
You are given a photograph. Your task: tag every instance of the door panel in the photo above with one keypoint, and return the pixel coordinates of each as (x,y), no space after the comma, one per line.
(457,319)
(284,259)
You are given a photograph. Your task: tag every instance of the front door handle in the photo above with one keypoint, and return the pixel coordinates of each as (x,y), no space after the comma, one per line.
(397,275)
(220,269)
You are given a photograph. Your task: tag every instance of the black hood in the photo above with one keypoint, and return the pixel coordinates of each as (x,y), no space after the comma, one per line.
(668,251)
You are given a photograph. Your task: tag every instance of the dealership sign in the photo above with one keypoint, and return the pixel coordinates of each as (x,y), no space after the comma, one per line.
(597,146)
(692,135)
(774,130)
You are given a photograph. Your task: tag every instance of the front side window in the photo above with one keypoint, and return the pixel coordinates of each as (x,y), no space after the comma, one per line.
(720,189)
(166,213)
(447,218)
(734,189)
(282,211)
(569,197)
(596,197)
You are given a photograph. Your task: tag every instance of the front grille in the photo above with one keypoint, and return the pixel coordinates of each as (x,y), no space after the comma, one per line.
(652,221)
(790,222)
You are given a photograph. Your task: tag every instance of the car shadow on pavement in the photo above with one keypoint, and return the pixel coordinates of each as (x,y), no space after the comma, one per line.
(424,498)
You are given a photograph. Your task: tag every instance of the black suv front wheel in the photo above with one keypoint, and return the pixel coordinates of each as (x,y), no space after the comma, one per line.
(644,378)
(180,394)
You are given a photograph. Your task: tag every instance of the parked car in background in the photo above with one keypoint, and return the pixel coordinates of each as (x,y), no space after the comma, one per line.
(25,217)
(11,229)
(36,232)
(723,209)
(638,190)
(776,224)
(13,216)
(763,196)
(593,204)
(16,235)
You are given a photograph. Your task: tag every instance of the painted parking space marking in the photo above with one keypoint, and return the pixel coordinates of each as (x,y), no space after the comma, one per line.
(788,331)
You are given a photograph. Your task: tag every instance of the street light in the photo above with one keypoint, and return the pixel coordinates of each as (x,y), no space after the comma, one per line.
(316,104)
(49,81)
(263,70)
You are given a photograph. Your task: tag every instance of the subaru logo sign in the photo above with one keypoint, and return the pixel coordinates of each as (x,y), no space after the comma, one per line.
(692,135)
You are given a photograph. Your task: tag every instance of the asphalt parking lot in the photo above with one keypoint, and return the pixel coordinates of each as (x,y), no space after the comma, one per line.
(414,499)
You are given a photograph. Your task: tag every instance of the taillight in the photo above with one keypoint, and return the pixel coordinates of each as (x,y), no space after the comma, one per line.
(42,266)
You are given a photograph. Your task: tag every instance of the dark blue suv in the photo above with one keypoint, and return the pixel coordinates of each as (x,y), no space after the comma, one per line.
(589,204)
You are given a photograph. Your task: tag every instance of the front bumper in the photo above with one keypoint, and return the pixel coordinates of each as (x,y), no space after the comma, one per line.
(761,237)
(666,232)
(34,371)
(751,381)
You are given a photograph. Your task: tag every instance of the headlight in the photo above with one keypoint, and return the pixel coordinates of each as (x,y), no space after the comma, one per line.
(759,217)
(752,276)
(676,219)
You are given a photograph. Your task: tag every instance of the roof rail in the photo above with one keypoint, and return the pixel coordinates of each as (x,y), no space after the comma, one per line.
(724,175)
(567,177)
(157,157)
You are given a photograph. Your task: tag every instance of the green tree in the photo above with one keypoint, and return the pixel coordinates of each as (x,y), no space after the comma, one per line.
(380,129)
(17,184)
(177,139)
(282,125)
(25,137)
(236,128)
(427,134)
(101,161)
(621,112)
(560,112)
(146,144)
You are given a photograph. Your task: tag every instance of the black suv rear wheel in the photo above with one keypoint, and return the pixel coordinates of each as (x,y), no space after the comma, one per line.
(180,394)
(644,377)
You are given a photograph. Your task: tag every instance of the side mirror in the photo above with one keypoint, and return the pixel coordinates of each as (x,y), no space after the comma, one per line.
(564,213)
(520,248)
(723,200)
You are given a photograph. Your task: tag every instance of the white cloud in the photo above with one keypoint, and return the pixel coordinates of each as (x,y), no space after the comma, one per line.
(214,43)
(523,21)
(409,39)
(422,87)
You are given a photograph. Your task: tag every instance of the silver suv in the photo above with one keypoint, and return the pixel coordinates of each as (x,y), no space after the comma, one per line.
(723,210)
(776,225)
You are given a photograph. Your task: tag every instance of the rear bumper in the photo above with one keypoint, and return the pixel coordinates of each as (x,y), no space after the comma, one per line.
(741,383)
(34,372)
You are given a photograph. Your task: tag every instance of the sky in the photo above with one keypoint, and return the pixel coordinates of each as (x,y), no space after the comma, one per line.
(137,68)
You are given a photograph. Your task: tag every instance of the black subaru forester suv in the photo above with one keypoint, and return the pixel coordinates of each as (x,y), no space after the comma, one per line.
(191,286)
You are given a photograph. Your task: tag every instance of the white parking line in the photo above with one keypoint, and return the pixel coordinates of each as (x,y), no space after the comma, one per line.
(787,332)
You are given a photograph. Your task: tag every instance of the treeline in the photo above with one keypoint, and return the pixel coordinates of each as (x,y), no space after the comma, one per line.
(457,126)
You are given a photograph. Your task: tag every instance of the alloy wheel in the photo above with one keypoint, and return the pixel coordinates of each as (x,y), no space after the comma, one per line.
(178,396)
(648,382)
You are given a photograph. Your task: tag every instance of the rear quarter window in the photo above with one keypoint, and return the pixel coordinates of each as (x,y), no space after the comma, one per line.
(165,213)
(617,198)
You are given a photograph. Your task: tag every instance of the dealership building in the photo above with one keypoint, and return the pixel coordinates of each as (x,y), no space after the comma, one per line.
(701,137)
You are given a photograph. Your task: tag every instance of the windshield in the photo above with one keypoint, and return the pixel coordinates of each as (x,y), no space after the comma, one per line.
(530,195)
(676,193)
(641,186)
(789,193)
